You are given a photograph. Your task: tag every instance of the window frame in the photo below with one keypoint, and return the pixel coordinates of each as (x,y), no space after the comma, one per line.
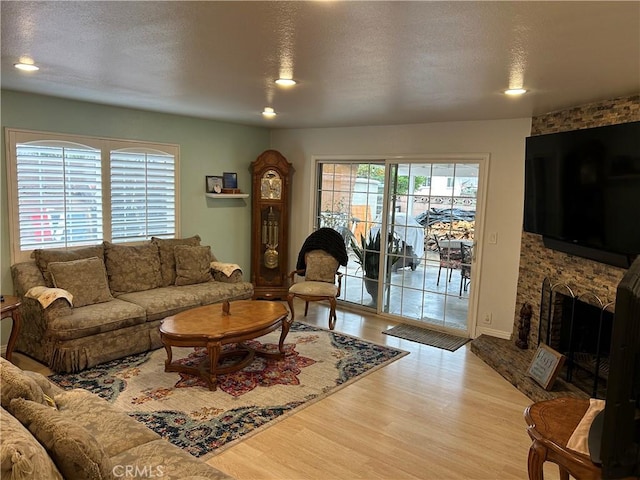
(14,136)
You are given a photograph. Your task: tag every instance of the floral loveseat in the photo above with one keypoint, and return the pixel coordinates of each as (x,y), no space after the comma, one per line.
(47,433)
(90,305)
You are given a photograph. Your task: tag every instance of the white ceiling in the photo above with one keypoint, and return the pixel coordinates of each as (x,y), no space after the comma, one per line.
(357,63)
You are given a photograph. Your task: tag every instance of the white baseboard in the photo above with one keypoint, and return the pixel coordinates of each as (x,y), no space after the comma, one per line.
(3,350)
(493,333)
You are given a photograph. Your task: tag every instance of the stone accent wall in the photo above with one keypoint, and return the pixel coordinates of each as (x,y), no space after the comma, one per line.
(537,261)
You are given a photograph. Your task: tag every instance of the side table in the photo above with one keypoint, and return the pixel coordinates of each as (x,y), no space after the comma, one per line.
(550,424)
(10,309)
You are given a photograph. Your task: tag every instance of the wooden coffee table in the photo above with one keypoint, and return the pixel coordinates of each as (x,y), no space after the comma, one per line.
(213,326)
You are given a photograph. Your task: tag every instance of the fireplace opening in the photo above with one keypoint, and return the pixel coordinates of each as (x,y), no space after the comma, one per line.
(579,327)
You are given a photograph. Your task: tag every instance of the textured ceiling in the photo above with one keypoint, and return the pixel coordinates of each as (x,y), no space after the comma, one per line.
(357,63)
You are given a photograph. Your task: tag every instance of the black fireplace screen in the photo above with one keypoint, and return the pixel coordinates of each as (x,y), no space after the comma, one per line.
(579,327)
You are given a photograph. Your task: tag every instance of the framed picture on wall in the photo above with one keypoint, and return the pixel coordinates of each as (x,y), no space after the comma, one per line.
(230,180)
(213,184)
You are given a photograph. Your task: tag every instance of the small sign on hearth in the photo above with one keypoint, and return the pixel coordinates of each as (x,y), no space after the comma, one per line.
(545,366)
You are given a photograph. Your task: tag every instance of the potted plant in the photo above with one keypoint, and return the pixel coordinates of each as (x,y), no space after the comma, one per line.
(368,257)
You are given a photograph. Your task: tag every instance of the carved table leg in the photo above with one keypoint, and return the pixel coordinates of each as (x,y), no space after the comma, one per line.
(213,350)
(286,324)
(167,362)
(564,475)
(537,457)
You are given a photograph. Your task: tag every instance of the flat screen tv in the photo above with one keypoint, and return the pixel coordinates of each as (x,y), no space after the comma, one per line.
(614,436)
(582,192)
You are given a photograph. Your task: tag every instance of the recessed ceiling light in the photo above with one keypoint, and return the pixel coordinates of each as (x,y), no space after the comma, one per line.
(27,67)
(515,91)
(269,112)
(286,82)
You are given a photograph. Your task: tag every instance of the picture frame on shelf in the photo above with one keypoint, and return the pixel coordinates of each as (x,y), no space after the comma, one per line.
(213,184)
(545,366)
(230,180)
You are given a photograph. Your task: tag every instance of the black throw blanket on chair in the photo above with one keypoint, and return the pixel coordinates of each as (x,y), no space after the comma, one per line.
(326,239)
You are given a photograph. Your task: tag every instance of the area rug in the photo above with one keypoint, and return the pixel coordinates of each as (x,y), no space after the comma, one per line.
(427,337)
(184,411)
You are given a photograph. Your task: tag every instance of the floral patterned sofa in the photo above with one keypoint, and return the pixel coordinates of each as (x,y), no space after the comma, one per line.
(48,433)
(95,304)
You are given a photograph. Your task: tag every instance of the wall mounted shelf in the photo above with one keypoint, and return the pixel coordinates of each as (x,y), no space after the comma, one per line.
(227,195)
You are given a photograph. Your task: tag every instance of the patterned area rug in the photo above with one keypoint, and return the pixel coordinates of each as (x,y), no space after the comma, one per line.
(427,337)
(183,410)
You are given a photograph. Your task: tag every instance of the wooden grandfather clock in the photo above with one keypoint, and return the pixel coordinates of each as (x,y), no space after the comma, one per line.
(271,184)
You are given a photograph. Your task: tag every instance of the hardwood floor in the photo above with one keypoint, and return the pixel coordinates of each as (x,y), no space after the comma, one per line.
(433,414)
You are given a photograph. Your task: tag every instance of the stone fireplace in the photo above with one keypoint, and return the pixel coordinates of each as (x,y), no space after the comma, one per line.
(579,327)
(586,278)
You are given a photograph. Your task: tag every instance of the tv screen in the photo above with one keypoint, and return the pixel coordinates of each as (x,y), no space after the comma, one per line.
(582,189)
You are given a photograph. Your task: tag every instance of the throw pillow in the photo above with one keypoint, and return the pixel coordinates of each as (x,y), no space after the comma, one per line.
(132,268)
(192,264)
(74,450)
(85,279)
(167,257)
(44,256)
(16,384)
(321,267)
(21,455)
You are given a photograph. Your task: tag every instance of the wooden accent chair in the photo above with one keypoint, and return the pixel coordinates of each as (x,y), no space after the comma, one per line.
(550,424)
(319,283)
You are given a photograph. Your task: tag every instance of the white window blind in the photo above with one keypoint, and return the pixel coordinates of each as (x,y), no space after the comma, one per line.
(69,190)
(59,195)
(142,195)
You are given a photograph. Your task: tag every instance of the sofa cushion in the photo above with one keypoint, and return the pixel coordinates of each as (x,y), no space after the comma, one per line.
(21,455)
(114,430)
(74,450)
(132,268)
(16,384)
(162,302)
(94,319)
(48,388)
(214,292)
(192,264)
(166,461)
(167,258)
(45,256)
(85,279)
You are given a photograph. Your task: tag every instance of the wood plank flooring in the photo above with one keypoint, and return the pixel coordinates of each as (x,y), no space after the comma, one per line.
(433,414)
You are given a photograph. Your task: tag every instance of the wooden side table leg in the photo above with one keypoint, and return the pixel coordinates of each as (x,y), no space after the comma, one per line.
(15,329)
(537,457)
(564,475)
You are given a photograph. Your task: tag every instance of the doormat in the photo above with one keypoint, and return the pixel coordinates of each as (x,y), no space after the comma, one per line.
(427,337)
(182,409)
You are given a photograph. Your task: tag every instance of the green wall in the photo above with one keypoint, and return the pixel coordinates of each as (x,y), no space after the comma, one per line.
(206,148)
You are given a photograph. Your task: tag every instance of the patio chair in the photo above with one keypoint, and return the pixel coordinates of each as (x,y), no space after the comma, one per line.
(450,257)
(465,266)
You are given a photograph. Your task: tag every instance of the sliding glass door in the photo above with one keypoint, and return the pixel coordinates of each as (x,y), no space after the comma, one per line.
(422,268)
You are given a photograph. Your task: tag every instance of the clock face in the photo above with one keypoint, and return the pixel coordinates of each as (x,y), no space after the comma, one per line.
(271,186)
